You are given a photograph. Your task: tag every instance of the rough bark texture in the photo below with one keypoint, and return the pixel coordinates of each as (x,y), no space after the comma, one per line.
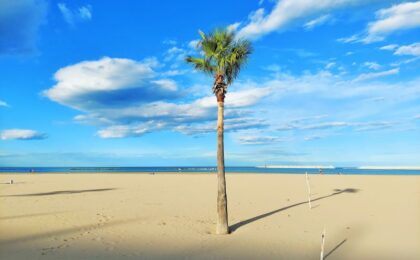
(222,214)
(219,87)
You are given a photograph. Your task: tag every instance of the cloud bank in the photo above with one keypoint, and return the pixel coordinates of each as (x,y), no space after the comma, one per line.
(128,98)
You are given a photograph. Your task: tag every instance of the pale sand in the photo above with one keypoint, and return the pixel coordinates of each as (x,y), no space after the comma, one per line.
(121,216)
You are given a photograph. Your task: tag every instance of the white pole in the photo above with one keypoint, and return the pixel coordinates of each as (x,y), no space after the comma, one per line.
(309,190)
(322,244)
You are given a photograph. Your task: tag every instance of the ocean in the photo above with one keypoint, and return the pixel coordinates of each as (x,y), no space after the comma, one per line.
(210,169)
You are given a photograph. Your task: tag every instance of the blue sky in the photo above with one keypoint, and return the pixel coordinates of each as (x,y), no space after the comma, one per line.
(99,83)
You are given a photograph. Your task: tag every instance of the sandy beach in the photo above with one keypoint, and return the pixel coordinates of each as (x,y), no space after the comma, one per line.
(172,216)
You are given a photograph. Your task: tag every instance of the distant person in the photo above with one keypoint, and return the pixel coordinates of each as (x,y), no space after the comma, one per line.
(320,171)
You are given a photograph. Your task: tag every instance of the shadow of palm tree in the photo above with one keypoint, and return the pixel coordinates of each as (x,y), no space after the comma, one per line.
(234,227)
(58,192)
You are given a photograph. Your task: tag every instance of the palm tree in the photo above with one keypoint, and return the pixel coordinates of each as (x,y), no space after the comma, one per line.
(223,57)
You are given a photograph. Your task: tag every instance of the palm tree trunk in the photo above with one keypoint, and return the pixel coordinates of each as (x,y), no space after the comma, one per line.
(222,214)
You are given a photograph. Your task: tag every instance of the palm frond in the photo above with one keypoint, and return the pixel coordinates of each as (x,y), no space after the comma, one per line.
(223,54)
(202,64)
(237,57)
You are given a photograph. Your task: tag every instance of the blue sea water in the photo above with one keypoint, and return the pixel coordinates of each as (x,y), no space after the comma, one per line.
(181,169)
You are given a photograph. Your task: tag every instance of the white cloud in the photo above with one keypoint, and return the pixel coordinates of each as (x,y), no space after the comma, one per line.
(395,18)
(129,98)
(231,125)
(175,72)
(330,65)
(119,110)
(357,126)
(372,65)
(233,27)
(21,134)
(373,75)
(317,22)
(200,110)
(326,85)
(83,13)
(287,11)
(253,140)
(406,61)
(304,125)
(109,82)
(389,47)
(247,97)
(328,92)
(312,137)
(326,125)
(120,131)
(370,126)
(193,44)
(175,53)
(412,49)
(3,104)
(350,39)
(193,118)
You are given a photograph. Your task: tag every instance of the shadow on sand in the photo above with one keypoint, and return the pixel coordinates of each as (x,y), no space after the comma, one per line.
(58,192)
(68,231)
(31,215)
(335,248)
(234,227)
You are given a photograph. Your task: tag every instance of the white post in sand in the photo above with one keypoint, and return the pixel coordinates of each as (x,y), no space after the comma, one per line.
(309,190)
(322,244)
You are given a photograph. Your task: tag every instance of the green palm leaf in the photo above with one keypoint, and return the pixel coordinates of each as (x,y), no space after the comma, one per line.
(223,54)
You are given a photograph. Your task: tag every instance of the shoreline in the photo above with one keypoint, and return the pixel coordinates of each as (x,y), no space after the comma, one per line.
(210,173)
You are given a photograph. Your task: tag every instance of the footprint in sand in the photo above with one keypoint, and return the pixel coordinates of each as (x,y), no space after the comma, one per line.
(50,250)
(66,241)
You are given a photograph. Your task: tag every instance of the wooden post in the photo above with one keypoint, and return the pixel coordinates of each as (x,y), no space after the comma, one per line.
(322,244)
(309,190)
